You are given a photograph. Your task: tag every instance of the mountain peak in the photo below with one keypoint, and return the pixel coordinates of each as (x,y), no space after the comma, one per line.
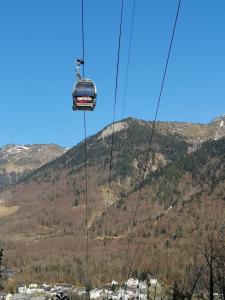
(220,118)
(112,128)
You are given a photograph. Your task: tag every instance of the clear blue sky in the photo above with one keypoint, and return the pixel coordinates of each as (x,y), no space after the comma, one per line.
(40,40)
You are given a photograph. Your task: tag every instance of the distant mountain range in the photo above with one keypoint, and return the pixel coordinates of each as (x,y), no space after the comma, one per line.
(42,216)
(18,160)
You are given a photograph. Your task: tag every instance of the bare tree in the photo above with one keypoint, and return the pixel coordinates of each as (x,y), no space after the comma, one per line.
(193,272)
(209,240)
(220,274)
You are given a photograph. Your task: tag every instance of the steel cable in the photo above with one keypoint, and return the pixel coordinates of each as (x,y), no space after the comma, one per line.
(113,129)
(149,146)
(85,156)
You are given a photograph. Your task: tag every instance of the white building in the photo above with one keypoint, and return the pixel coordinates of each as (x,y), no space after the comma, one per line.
(22,289)
(132,283)
(154,282)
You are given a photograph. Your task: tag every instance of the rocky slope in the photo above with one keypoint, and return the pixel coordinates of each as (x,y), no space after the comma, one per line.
(195,132)
(17,160)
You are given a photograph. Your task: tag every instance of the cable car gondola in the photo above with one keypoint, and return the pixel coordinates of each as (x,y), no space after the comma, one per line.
(84,92)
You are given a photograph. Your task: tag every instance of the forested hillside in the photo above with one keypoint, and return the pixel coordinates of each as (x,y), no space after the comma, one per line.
(156,225)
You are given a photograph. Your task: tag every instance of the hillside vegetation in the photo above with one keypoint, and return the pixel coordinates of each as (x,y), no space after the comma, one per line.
(182,194)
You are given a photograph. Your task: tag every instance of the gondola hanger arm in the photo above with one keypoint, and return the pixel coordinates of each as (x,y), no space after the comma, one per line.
(78,62)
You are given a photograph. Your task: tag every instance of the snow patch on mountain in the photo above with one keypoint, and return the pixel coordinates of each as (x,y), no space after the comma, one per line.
(16,160)
(220,128)
(16,149)
(218,119)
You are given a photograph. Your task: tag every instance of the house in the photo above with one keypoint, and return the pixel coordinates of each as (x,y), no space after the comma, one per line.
(143,287)
(96,294)
(21,288)
(33,286)
(154,282)
(132,283)
(8,297)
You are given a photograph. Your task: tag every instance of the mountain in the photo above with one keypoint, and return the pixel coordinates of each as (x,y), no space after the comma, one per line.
(18,160)
(195,133)
(43,215)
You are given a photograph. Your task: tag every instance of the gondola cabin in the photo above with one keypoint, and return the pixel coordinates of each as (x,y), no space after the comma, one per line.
(84,95)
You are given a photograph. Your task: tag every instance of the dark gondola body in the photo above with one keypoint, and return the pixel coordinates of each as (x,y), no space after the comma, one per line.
(84,95)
